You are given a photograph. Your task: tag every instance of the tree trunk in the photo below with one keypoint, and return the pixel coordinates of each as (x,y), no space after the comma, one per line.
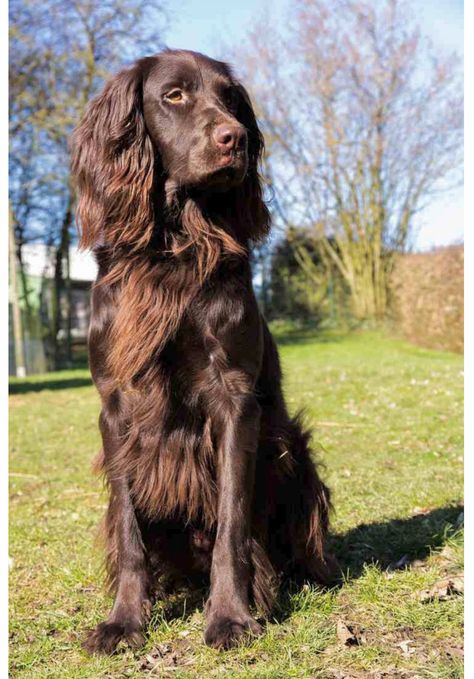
(25,290)
(68,288)
(63,282)
(17,321)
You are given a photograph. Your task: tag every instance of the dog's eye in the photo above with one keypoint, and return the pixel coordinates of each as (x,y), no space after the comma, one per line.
(230,98)
(175,96)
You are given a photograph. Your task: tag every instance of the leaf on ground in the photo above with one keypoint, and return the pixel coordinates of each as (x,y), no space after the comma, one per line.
(341,674)
(406,647)
(455,651)
(85,588)
(348,635)
(443,589)
(165,657)
(422,511)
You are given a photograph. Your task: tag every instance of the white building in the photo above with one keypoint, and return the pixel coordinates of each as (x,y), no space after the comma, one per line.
(37,299)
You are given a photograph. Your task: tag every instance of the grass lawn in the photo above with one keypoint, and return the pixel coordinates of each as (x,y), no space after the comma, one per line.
(387,422)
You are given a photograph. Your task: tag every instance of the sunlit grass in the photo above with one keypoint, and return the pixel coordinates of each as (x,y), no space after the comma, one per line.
(387,422)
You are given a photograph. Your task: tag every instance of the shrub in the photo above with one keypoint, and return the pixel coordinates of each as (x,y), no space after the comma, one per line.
(427,298)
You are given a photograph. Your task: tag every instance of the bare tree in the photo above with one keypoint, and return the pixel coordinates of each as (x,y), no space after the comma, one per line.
(363,121)
(60,53)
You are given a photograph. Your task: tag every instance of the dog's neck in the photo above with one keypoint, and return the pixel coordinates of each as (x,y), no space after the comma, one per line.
(195,225)
(189,226)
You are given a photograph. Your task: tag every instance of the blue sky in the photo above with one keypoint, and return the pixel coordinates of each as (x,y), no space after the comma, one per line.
(205,25)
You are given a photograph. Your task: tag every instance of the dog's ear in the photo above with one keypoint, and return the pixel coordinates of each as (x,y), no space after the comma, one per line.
(255,217)
(112,163)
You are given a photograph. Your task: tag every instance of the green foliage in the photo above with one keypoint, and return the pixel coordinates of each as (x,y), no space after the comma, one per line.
(304,285)
(387,422)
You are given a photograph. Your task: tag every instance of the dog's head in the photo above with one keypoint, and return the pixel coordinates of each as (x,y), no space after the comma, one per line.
(176,125)
(199,120)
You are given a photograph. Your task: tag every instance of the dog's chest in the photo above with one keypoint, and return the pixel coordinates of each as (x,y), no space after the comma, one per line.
(216,353)
(222,329)
(204,372)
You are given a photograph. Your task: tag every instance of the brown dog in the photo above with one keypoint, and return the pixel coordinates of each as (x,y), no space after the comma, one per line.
(207,472)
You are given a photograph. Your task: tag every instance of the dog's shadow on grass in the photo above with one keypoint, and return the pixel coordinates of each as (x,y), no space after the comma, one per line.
(382,543)
(387,542)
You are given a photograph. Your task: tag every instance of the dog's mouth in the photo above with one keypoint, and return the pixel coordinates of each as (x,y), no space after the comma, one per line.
(218,173)
(226,171)
(229,170)
(231,158)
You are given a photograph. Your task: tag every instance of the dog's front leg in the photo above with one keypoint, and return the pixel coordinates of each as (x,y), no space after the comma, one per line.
(126,559)
(228,614)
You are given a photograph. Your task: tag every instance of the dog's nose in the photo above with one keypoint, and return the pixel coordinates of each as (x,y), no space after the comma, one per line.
(228,137)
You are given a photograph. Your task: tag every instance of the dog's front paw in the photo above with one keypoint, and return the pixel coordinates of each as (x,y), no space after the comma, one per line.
(105,638)
(225,632)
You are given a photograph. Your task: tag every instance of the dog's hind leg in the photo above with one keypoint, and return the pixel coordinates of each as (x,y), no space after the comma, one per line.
(306,504)
(295,499)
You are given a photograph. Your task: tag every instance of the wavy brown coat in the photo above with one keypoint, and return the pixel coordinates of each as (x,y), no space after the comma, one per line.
(207,472)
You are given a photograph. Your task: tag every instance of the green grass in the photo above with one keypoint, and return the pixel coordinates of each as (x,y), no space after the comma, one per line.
(387,422)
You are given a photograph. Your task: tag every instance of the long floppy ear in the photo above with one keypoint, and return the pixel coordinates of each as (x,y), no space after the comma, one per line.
(112,164)
(254,212)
